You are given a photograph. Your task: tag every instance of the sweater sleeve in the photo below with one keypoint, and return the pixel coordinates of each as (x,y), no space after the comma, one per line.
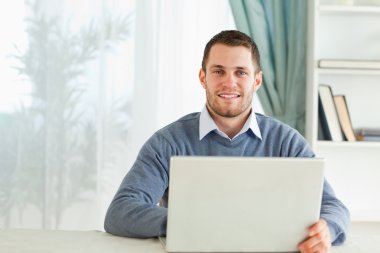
(333,211)
(335,214)
(134,211)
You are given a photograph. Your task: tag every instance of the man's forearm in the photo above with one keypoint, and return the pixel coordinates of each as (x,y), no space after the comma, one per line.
(132,218)
(336,215)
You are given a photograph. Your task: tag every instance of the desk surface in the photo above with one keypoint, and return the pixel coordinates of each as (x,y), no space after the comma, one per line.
(364,237)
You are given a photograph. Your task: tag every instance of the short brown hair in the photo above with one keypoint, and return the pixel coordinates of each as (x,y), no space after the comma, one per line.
(233,38)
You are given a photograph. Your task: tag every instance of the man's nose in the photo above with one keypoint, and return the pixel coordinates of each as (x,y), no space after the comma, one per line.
(230,80)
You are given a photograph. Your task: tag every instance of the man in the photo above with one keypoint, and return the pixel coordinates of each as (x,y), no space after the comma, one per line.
(227,126)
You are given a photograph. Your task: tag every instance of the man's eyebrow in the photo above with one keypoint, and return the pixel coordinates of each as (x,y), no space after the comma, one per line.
(242,68)
(217,66)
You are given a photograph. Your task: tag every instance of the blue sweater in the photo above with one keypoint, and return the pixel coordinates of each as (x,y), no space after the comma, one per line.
(134,211)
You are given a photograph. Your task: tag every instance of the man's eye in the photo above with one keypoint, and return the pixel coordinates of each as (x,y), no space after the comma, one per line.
(218,72)
(242,73)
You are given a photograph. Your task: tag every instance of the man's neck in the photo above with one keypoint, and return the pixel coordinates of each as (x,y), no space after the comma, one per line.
(230,125)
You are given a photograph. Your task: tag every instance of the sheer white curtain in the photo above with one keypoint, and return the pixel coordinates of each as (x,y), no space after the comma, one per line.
(170,38)
(70,67)
(85,84)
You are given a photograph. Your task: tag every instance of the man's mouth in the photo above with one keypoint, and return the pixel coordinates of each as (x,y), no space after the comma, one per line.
(228,95)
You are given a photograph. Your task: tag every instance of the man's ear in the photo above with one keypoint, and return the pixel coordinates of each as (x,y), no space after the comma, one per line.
(258,80)
(202,78)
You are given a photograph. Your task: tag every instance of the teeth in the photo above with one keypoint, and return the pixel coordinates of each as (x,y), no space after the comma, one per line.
(228,96)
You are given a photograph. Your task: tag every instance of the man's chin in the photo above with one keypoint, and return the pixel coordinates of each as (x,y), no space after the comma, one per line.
(229,113)
(232,113)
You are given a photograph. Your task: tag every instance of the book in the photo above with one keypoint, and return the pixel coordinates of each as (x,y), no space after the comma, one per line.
(328,115)
(349,64)
(369,131)
(344,117)
(321,134)
(369,138)
(368,134)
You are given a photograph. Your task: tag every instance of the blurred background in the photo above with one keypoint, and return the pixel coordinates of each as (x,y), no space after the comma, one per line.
(83,84)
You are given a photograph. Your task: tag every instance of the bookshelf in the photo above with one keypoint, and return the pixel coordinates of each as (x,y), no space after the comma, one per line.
(347,32)
(352,72)
(347,9)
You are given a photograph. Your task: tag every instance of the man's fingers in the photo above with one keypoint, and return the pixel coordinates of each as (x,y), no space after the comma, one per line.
(320,247)
(313,241)
(317,227)
(319,239)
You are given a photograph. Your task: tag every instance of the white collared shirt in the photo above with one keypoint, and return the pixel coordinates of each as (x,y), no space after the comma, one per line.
(207,124)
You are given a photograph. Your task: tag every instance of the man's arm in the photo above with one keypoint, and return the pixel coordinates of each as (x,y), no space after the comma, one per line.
(134,212)
(331,229)
(333,211)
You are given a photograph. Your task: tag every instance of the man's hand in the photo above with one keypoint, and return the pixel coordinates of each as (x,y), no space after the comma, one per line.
(319,240)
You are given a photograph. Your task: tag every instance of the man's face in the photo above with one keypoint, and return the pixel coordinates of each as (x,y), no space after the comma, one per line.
(230,80)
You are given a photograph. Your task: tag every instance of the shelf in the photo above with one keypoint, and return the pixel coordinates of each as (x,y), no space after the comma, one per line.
(343,32)
(326,9)
(347,144)
(327,71)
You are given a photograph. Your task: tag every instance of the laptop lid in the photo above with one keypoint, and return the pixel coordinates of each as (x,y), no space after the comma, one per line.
(242,204)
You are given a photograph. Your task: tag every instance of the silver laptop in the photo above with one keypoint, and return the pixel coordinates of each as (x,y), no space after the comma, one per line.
(242,204)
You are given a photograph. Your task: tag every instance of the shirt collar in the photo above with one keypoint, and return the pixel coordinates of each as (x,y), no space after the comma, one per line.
(207,124)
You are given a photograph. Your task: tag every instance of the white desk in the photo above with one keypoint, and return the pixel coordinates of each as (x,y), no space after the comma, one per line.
(364,238)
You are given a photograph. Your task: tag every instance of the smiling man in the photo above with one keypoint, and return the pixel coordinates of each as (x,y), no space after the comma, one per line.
(232,78)
(227,126)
